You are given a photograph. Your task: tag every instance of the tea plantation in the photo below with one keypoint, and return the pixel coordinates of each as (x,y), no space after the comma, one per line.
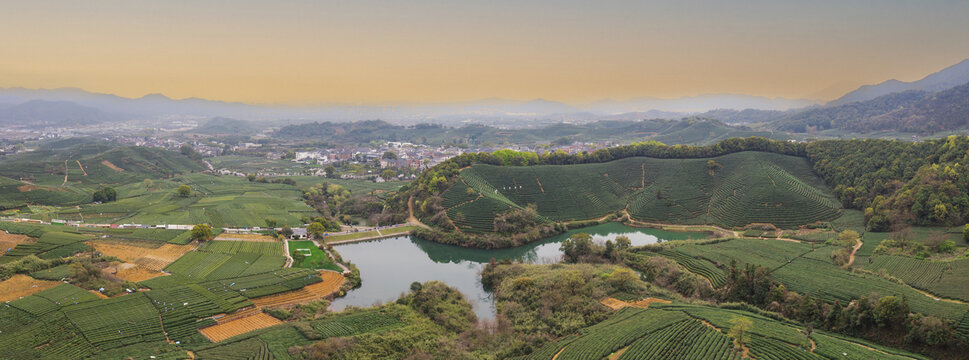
(806,268)
(681,331)
(739,189)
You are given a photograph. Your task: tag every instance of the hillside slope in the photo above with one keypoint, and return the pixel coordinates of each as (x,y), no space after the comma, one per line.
(730,190)
(68,176)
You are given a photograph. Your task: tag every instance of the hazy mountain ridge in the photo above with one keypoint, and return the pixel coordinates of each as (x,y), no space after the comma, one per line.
(42,113)
(947,78)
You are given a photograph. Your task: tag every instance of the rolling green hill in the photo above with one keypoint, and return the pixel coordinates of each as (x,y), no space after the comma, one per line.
(217,200)
(69,174)
(734,190)
(679,331)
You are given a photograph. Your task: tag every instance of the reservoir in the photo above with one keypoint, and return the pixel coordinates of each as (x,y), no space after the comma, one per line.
(389,266)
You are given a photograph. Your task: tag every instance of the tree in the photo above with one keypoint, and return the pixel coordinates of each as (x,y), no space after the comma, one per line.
(105,194)
(622,242)
(577,246)
(389,155)
(849,237)
(388,174)
(740,331)
(201,233)
(890,310)
(330,172)
(188,150)
(251,177)
(287,232)
(315,229)
(271,223)
(965,233)
(149,184)
(183,191)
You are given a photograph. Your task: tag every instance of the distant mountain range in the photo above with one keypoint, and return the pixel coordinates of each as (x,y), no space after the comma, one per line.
(947,78)
(925,105)
(42,113)
(493,111)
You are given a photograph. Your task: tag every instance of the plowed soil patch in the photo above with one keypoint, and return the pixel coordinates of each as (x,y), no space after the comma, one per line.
(136,273)
(331,283)
(232,328)
(617,304)
(110,165)
(150,259)
(9,241)
(246,237)
(19,286)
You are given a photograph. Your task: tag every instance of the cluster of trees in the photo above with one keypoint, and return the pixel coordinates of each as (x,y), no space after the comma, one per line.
(581,248)
(902,242)
(264,180)
(96,273)
(105,194)
(887,317)
(898,183)
(338,205)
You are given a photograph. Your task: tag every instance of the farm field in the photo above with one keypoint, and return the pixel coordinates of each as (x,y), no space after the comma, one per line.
(50,245)
(680,191)
(307,255)
(245,237)
(351,236)
(240,326)
(946,279)
(331,283)
(203,266)
(356,187)
(9,241)
(804,268)
(153,259)
(243,247)
(217,200)
(19,286)
(39,177)
(679,331)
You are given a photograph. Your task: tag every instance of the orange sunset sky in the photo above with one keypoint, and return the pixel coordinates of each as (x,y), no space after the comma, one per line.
(369,52)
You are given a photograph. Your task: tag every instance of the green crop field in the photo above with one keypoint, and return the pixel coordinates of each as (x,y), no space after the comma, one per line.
(203,265)
(34,179)
(243,247)
(50,245)
(749,187)
(356,187)
(805,268)
(680,331)
(306,255)
(274,342)
(217,200)
(943,278)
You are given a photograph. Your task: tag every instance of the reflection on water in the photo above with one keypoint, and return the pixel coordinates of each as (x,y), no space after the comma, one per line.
(389,266)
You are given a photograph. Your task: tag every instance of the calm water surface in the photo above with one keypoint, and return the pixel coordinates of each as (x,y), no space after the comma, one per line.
(389,266)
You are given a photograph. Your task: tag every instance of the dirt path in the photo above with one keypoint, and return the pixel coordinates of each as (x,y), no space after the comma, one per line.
(65,173)
(540,185)
(410,214)
(617,354)
(560,351)
(673,227)
(851,258)
(82,167)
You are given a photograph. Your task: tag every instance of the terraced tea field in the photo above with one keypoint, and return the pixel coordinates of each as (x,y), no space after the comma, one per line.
(240,326)
(749,187)
(218,200)
(807,269)
(946,279)
(679,331)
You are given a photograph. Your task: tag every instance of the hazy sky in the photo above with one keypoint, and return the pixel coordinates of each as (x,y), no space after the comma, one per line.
(358,51)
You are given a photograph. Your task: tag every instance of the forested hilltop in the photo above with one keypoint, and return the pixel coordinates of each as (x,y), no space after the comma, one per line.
(893,182)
